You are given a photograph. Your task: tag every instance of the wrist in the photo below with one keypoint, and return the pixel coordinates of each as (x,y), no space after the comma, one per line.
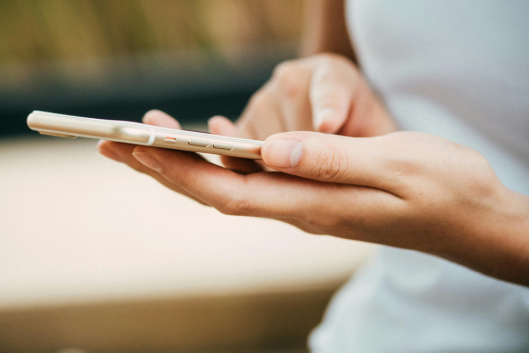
(497,237)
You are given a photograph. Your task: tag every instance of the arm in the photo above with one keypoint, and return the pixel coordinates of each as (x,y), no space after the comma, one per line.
(325,29)
(291,91)
(408,190)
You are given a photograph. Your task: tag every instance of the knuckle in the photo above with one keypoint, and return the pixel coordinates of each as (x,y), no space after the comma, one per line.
(336,67)
(287,77)
(403,166)
(404,153)
(283,69)
(235,207)
(333,59)
(484,182)
(329,60)
(329,163)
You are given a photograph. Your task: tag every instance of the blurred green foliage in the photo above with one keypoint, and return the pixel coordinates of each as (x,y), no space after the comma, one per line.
(33,32)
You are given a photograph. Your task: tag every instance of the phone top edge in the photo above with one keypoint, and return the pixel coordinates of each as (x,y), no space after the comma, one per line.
(39,113)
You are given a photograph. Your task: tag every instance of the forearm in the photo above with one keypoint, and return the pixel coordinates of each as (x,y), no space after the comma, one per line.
(325,29)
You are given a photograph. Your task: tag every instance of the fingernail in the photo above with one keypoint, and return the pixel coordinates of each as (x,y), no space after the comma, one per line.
(282,153)
(148,161)
(324,115)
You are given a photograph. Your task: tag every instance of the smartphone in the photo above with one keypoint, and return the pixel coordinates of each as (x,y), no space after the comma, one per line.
(142,134)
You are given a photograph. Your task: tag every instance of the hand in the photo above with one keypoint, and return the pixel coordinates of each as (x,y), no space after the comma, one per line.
(122,152)
(324,93)
(408,190)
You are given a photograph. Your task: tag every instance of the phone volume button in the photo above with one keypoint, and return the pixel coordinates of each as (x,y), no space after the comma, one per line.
(223,146)
(200,143)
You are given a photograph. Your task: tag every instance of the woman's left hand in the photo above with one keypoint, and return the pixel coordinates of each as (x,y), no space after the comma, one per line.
(405,189)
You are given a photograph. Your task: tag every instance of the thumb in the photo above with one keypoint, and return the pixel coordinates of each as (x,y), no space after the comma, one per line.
(328,158)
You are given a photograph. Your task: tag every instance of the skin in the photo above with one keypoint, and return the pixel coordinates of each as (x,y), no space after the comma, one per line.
(335,164)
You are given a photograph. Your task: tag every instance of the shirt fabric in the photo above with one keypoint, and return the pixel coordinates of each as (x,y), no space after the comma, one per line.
(458,69)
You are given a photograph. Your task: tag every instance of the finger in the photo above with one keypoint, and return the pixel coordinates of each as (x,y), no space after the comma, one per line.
(368,117)
(159,118)
(262,117)
(290,84)
(122,152)
(331,158)
(331,95)
(271,195)
(229,192)
(106,149)
(220,125)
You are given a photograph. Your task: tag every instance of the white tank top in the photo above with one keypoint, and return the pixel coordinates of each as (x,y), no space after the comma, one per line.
(458,69)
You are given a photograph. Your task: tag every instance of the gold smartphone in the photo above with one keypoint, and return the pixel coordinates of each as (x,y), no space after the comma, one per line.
(142,134)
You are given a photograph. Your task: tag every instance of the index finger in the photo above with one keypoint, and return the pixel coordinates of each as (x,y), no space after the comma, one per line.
(331,94)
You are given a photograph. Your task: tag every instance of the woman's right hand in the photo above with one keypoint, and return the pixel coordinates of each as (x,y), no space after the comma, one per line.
(323,93)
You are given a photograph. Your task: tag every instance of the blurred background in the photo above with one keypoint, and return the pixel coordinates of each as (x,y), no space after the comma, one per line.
(97,258)
(119,58)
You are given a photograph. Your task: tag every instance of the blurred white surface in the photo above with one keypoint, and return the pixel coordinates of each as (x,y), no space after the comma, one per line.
(77,227)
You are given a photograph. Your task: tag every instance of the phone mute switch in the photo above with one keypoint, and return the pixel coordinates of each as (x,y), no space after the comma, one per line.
(200,143)
(170,139)
(223,146)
